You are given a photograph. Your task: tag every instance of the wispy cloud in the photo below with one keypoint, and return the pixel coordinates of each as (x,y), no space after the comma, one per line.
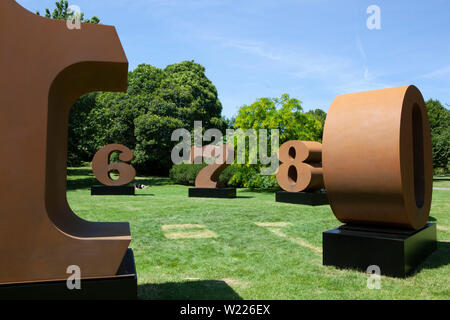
(336,74)
(361,50)
(436,74)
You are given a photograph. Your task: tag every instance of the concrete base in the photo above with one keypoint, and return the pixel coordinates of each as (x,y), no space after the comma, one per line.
(121,287)
(212,193)
(396,252)
(112,191)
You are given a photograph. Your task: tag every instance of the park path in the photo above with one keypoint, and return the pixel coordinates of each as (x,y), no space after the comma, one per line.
(448,189)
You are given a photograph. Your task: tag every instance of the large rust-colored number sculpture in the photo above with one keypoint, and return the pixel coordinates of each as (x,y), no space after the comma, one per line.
(102,167)
(45,67)
(301,168)
(377,158)
(208,177)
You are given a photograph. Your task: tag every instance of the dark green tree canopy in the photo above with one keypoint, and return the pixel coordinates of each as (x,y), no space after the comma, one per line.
(157,102)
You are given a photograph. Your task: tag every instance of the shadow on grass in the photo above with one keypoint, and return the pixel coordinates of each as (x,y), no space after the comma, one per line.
(85,183)
(79,172)
(441,179)
(154,181)
(190,290)
(260,190)
(439,258)
(244,197)
(89,180)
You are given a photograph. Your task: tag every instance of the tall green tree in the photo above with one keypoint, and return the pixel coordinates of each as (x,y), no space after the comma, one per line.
(284,113)
(157,102)
(320,115)
(439,118)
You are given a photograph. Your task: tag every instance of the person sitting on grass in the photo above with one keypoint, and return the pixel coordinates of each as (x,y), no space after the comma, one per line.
(139,186)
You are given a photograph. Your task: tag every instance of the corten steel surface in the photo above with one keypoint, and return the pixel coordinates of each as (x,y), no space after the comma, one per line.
(301,168)
(45,67)
(209,176)
(377,158)
(102,167)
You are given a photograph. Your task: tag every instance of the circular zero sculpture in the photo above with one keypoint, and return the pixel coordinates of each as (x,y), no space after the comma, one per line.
(377,158)
(102,167)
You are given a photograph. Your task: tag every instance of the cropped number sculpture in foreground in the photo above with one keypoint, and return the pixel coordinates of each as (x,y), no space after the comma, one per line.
(45,67)
(378,175)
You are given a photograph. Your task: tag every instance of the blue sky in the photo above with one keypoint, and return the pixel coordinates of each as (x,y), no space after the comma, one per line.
(312,49)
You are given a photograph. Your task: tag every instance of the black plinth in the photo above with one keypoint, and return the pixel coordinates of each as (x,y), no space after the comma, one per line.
(396,252)
(306,198)
(121,287)
(112,191)
(212,193)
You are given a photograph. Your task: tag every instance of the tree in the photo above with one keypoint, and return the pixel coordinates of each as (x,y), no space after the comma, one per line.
(194,95)
(284,113)
(62,12)
(439,118)
(157,102)
(78,145)
(320,115)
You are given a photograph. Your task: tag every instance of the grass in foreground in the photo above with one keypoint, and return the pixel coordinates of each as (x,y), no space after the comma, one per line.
(441,182)
(228,256)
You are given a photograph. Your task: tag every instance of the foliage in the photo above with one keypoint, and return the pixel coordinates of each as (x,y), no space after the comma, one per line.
(153,142)
(248,176)
(62,12)
(78,148)
(439,118)
(157,102)
(185,174)
(320,115)
(286,115)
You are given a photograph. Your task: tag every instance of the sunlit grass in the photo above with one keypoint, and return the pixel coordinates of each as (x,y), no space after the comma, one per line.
(245,260)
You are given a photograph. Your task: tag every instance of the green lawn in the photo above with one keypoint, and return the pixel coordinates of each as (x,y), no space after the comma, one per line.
(441,182)
(242,260)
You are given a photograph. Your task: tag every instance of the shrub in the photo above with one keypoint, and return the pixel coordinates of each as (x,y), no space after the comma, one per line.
(236,176)
(248,176)
(258,181)
(185,174)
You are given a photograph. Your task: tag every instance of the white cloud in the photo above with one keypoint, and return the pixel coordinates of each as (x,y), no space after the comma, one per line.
(336,74)
(439,73)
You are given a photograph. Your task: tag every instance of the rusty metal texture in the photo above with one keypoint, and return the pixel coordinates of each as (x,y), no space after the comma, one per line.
(301,168)
(208,177)
(377,158)
(45,67)
(102,167)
